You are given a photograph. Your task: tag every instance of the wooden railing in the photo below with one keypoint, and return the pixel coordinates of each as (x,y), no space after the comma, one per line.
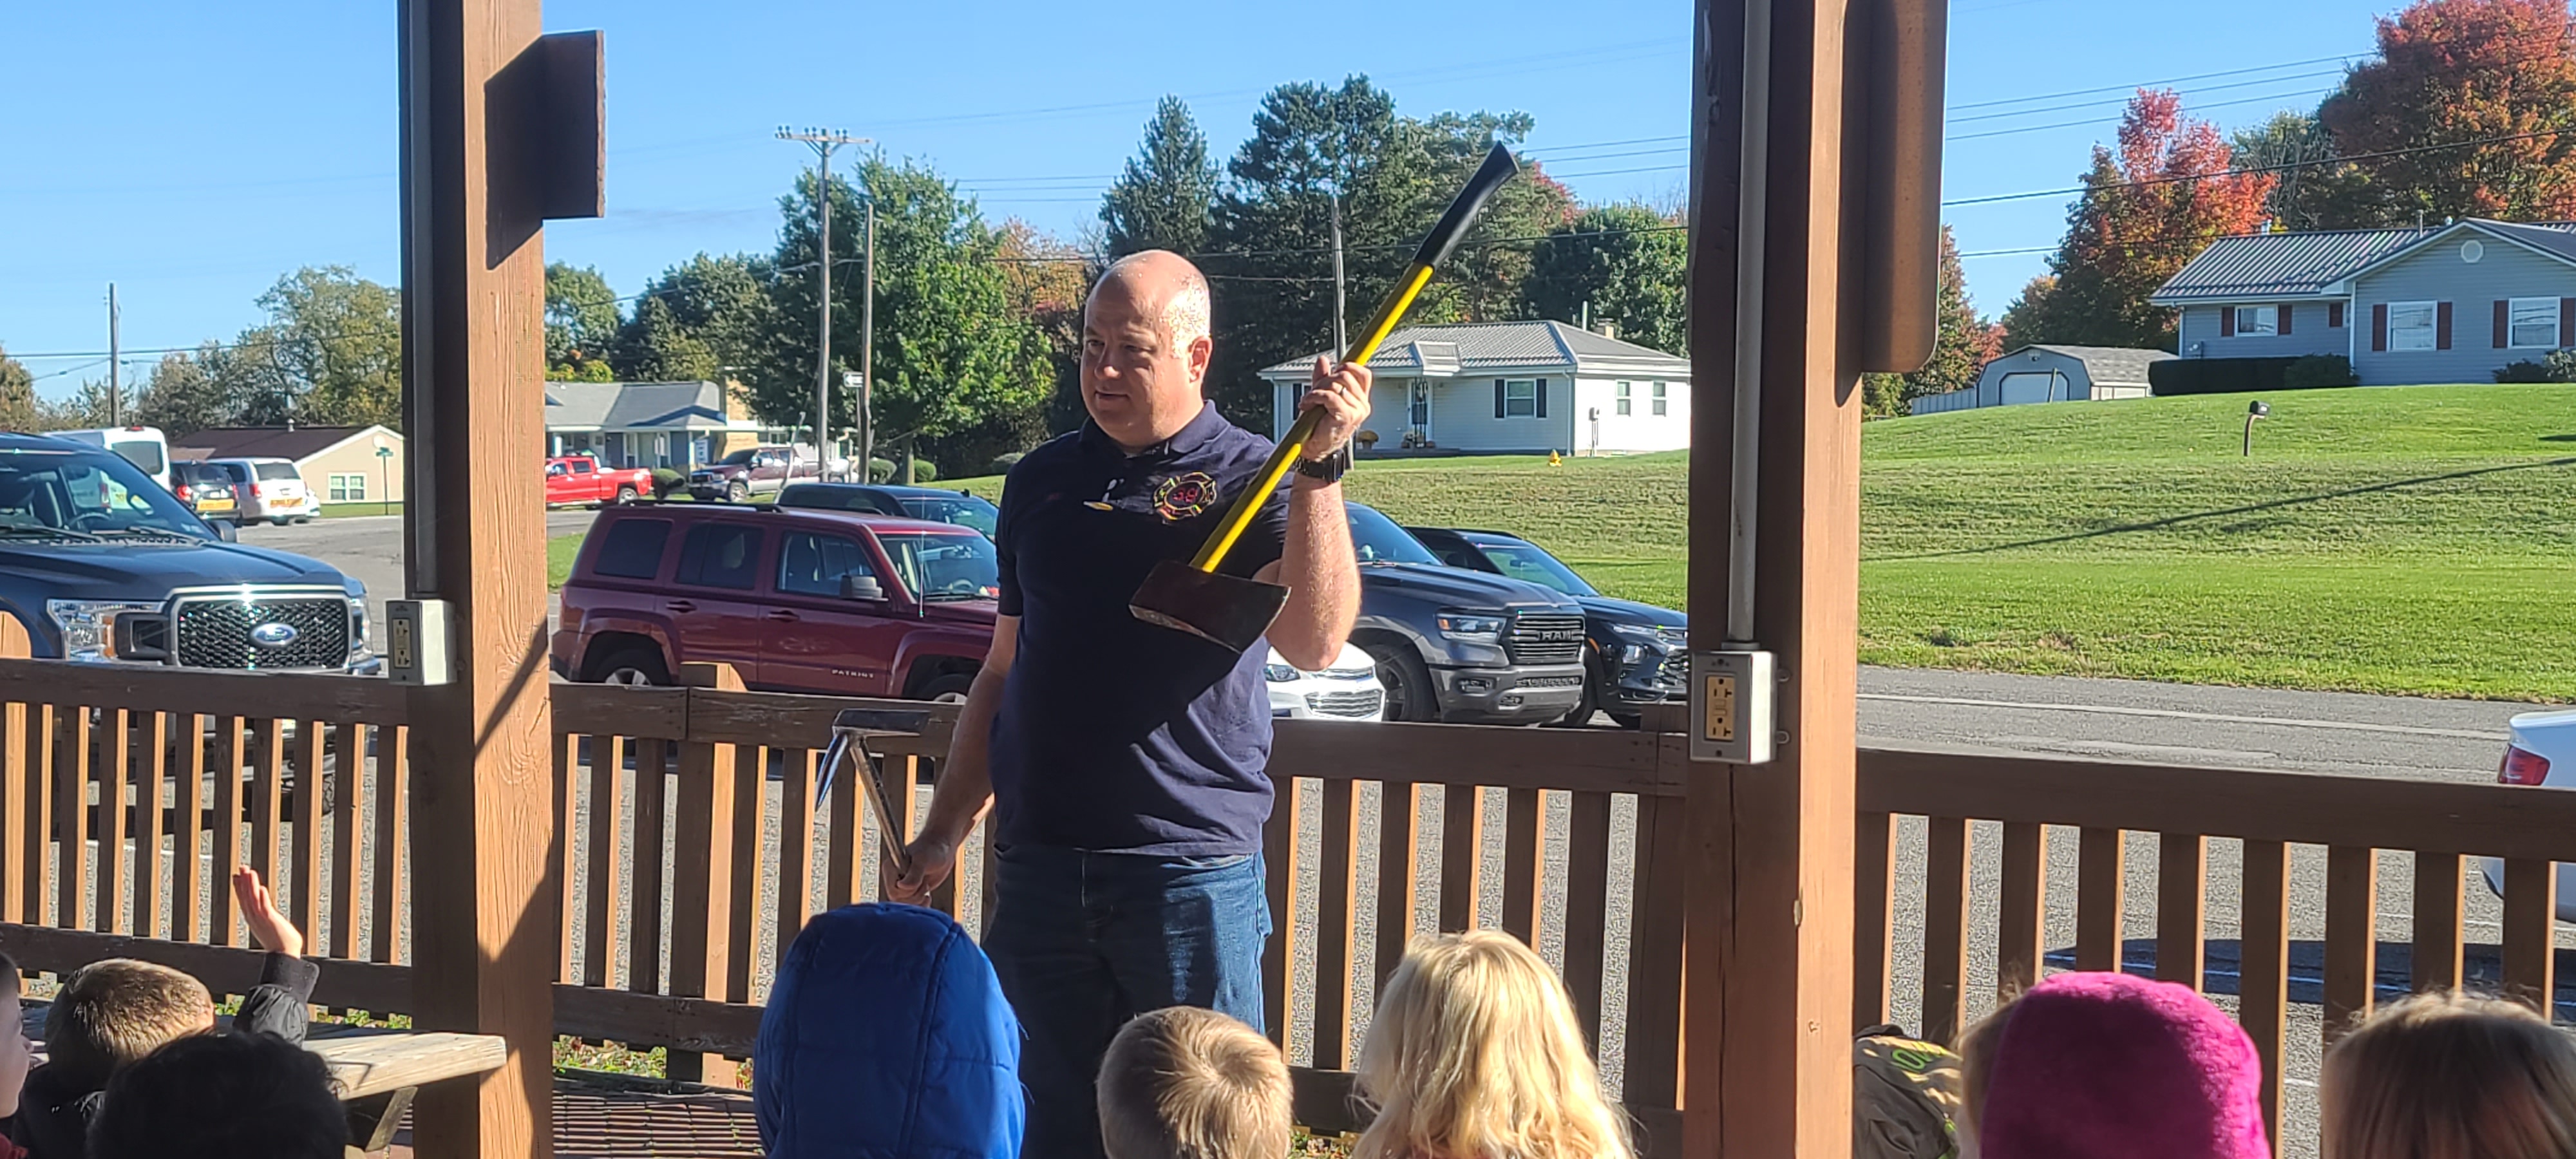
(2293,836)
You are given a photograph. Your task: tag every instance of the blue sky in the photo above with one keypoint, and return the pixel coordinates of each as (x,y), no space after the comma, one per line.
(192,153)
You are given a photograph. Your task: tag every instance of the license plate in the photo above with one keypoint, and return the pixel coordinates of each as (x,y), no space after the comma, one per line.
(204,505)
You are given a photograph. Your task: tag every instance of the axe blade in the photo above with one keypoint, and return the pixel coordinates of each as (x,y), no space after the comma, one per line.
(1224,610)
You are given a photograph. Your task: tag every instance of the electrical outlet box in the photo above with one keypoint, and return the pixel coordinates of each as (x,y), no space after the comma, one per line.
(416,642)
(1732,695)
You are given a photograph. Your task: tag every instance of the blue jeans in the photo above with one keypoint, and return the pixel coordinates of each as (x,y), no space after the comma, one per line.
(1085,941)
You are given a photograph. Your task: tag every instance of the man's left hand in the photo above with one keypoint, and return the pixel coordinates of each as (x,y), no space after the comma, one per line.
(1341,393)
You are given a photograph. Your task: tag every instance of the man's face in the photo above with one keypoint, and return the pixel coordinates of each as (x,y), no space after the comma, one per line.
(1139,384)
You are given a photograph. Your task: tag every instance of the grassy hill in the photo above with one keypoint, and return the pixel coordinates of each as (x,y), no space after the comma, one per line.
(2418,539)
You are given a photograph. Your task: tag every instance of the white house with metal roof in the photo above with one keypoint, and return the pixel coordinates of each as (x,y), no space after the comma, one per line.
(1527,387)
(2051,373)
(2447,304)
(680,425)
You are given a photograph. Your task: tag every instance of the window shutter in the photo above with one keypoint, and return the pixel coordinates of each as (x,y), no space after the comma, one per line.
(2503,322)
(2379,326)
(2285,312)
(2441,326)
(2227,321)
(2334,315)
(2567,322)
(1498,398)
(1541,387)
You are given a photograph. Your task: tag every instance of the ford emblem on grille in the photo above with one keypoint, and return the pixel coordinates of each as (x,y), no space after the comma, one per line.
(274,634)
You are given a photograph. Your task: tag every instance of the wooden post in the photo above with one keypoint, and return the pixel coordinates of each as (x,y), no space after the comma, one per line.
(493,142)
(702,881)
(1768,961)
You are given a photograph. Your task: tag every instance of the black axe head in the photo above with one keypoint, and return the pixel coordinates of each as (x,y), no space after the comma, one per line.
(1221,609)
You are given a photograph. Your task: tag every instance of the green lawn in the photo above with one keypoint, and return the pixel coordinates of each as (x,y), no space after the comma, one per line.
(2411,540)
(350,510)
(560,551)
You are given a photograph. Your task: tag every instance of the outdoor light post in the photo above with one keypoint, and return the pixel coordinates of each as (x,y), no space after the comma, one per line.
(2256,410)
(384,476)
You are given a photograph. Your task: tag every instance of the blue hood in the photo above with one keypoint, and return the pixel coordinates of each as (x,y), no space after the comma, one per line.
(886,1037)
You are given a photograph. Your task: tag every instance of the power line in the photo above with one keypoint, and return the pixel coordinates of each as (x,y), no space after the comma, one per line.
(2156,83)
(2125,100)
(2232,172)
(2102,120)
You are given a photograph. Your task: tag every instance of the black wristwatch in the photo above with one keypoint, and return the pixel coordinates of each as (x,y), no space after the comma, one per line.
(1328,469)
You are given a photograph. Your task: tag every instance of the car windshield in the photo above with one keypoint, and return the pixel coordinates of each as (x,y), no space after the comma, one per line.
(279,472)
(738,458)
(1530,562)
(1376,539)
(86,493)
(142,453)
(944,566)
(962,510)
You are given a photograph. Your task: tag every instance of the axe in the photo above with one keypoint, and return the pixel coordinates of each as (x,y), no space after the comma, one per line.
(850,732)
(1192,597)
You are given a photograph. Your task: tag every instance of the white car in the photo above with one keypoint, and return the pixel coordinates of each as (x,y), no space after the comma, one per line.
(270,489)
(1346,691)
(2540,749)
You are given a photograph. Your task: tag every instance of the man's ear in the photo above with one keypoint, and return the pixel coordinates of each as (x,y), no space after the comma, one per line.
(1202,348)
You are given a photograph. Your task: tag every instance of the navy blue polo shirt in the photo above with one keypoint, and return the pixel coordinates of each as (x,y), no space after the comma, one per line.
(1116,735)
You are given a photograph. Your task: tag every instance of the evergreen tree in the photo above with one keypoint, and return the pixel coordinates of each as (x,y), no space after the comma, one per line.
(1163,198)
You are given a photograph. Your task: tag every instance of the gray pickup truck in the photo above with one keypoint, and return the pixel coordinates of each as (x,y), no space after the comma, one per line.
(1460,646)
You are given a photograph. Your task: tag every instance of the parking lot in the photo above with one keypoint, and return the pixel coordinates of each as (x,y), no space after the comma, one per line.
(369,548)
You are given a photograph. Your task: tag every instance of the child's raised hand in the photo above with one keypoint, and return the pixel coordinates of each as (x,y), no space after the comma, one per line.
(268,927)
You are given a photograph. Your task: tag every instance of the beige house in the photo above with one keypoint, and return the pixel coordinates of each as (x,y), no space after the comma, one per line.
(339,464)
(679,425)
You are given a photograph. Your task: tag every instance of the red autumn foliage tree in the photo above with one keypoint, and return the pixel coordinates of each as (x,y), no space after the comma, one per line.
(2147,208)
(2451,71)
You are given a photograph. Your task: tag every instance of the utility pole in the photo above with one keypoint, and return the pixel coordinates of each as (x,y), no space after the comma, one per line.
(115,416)
(824,143)
(868,347)
(1341,341)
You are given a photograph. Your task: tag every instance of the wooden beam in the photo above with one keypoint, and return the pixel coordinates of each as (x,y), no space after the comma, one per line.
(702,878)
(486,915)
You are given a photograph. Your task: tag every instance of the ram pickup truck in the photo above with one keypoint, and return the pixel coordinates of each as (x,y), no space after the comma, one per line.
(103,566)
(1460,646)
(579,481)
(753,471)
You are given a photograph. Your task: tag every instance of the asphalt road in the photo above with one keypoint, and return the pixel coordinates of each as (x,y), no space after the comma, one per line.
(2305,732)
(369,548)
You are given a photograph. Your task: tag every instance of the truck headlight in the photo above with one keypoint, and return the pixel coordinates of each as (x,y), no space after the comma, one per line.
(1471,626)
(89,626)
(357,626)
(1647,634)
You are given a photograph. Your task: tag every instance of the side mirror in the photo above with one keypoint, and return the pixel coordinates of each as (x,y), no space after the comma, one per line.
(862,587)
(225,531)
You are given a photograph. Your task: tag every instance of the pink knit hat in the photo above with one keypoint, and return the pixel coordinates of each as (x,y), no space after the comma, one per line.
(2106,1066)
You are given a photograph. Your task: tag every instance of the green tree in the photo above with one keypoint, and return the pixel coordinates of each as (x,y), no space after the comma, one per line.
(17,395)
(79,410)
(1962,345)
(950,351)
(1625,262)
(2026,316)
(698,319)
(331,352)
(1163,198)
(2313,190)
(581,324)
(187,394)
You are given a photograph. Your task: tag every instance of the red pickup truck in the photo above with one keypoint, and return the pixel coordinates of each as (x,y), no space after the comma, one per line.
(796,600)
(579,480)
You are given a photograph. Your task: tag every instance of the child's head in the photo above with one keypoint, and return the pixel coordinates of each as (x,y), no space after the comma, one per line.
(2087,1065)
(2450,1076)
(228,1096)
(1475,1051)
(1186,1083)
(113,1012)
(15,1053)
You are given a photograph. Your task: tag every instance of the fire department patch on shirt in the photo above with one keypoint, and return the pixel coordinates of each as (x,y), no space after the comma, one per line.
(1182,496)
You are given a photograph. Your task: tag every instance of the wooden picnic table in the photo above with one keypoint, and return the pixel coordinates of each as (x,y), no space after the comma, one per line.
(365,1061)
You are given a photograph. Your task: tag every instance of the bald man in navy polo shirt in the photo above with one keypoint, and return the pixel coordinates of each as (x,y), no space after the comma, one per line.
(1125,763)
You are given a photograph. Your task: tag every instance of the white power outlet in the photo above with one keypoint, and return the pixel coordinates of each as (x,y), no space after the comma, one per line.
(416,642)
(1732,696)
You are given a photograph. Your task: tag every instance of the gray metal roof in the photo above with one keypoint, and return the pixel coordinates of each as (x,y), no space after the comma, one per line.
(635,405)
(2114,365)
(2257,267)
(1485,346)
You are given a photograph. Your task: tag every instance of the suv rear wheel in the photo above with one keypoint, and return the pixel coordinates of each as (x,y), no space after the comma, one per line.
(633,666)
(1409,692)
(737,491)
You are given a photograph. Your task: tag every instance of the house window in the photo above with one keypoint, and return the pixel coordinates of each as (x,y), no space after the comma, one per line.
(2410,325)
(1659,398)
(2535,323)
(2251,320)
(1623,398)
(1520,397)
(350,488)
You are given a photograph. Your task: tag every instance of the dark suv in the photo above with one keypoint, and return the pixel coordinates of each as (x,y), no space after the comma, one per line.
(1634,654)
(102,565)
(896,499)
(796,600)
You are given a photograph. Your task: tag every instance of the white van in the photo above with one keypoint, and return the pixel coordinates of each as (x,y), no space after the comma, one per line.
(145,447)
(270,489)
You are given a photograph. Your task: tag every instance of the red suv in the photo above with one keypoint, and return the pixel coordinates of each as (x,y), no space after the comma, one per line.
(795,600)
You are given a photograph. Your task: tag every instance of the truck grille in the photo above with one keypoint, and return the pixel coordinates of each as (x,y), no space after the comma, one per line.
(1676,669)
(1364,702)
(227,632)
(1549,682)
(1545,639)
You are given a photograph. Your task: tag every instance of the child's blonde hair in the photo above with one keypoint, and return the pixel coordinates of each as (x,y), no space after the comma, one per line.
(1475,1054)
(1184,1083)
(117,1010)
(2450,1076)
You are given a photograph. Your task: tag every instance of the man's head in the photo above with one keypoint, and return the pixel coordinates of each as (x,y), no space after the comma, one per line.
(230,1096)
(1145,348)
(1186,1083)
(113,1012)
